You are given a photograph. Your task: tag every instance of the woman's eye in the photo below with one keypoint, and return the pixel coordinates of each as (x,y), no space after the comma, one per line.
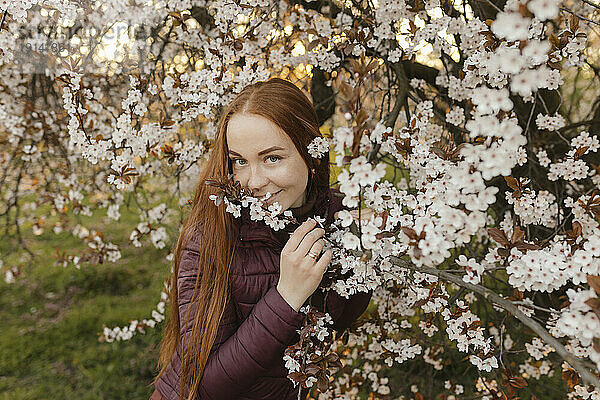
(235,162)
(274,158)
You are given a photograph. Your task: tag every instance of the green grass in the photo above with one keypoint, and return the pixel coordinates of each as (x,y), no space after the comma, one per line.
(51,319)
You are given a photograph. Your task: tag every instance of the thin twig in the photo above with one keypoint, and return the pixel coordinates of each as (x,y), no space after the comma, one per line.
(580,16)
(3,17)
(596,6)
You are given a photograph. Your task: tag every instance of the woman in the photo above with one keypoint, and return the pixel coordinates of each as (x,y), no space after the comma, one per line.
(237,285)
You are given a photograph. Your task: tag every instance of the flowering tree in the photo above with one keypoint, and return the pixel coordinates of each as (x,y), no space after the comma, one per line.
(466,127)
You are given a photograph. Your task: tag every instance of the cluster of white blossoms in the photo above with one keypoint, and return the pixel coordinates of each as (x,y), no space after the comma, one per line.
(399,351)
(360,174)
(17,8)
(579,320)
(535,208)
(536,369)
(537,349)
(472,267)
(573,167)
(429,356)
(569,169)
(549,268)
(584,218)
(318,147)
(148,226)
(456,116)
(259,211)
(318,330)
(127,332)
(550,123)
(581,392)
(460,329)
(584,140)
(363,275)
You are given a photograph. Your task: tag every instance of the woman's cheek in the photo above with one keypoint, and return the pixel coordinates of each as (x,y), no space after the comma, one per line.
(284,175)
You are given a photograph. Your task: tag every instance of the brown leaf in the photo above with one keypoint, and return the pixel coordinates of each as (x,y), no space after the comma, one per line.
(382,235)
(518,295)
(348,49)
(571,377)
(524,11)
(517,235)
(312,369)
(574,22)
(372,65)
(346,89)
(594,282)
(332,357)
(475,324)
(517,382)
(361,117)
(526,246)
(502,252)
(297,376)
(596,345)
(322,383)
(594,304)
(439,152)
(410,232)
(513,183)
(581,151)
(499,236)
(312,45)
(577,229)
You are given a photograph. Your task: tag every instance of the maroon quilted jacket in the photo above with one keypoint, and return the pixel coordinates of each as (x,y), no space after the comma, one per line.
(246,360)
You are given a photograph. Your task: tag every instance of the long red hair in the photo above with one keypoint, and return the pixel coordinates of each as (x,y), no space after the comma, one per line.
(284,104)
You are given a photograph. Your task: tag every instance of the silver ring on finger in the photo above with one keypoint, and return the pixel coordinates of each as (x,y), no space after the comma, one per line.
(312,255)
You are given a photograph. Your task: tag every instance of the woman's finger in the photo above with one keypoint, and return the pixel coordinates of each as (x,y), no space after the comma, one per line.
(316,248)
(324,261)
(309,239)
(299,234)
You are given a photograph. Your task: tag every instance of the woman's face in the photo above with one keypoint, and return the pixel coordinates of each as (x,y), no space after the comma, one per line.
(264,159)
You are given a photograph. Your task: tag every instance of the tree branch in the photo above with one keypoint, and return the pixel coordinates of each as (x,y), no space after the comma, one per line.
(511,308)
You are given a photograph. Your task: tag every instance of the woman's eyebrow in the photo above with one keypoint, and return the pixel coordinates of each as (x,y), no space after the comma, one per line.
(260,153)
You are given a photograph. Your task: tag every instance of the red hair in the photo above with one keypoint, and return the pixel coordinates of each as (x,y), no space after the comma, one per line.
(284,104)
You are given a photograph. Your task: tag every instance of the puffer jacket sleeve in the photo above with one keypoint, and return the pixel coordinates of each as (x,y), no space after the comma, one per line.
(242,352)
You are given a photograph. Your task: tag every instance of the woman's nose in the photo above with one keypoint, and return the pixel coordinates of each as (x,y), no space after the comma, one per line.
(256,180)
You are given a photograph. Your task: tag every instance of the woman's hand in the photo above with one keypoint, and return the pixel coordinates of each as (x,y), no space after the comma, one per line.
(300,273)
